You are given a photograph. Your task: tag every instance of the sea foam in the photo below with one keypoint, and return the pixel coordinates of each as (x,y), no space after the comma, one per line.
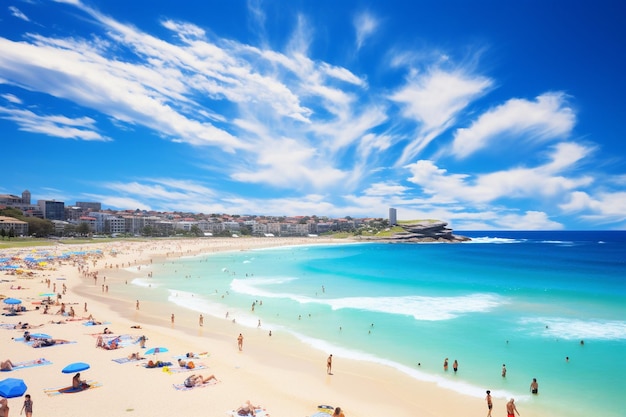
(574,329)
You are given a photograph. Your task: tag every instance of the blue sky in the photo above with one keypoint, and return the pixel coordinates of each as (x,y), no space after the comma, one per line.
(485,114)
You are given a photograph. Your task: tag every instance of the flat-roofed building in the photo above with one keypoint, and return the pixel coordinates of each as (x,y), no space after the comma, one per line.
(52,209)
(19,227)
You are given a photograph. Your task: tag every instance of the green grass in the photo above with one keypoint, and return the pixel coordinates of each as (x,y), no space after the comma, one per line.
(418,221)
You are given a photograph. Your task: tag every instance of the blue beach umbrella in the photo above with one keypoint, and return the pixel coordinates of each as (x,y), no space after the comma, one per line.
(75,367)
(12,301)
(156,350)
(12,387)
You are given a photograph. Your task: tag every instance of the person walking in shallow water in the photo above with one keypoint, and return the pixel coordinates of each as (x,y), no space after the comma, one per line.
(503,370)
(534,387)
(455,366)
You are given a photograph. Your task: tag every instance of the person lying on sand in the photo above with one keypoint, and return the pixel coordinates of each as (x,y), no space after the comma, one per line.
(247,409)
(194,380)
(113,344)
(6,365)
(48,342)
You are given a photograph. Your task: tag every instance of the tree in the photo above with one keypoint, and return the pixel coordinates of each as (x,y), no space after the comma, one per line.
(195,230)
(3,233)
(83,229)
(39,227)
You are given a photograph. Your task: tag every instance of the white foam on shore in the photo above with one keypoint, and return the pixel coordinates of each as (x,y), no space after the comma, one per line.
(144,282)
(574,329)
(214,308)
(487,239)
(427,308)
(459,386)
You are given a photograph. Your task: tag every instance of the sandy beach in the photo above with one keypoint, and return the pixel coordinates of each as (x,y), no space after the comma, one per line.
(285,376)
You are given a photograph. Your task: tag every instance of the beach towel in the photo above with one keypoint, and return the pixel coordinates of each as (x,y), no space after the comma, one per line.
(195,356)
(175,369)
(93,323)
(126,360)
(51,392)
(183,387)
(257,413)
(157,364)
(30,364)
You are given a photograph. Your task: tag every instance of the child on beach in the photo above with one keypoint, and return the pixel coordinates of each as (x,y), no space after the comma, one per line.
(28,406)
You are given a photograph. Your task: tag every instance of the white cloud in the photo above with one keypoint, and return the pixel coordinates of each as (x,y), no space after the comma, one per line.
(433,100)
(365,25)
(287,163)
(12,98)
(530,183)
(385,189)
(548,117)
(530,220)
(18,13)
(82,128)
(601,208)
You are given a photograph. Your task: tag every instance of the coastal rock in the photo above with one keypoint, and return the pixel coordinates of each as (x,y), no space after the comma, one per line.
(431,231)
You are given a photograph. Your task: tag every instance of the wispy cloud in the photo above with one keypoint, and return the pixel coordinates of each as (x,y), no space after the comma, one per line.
(433,100)
(18,13)
(82,128)
(548,117)
(365,24)
(12,98)
(538,182)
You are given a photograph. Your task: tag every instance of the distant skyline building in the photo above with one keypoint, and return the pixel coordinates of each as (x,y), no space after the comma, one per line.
(393,219)
(51,209)
(89,206)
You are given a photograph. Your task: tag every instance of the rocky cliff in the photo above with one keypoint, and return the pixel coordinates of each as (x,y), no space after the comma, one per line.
(427,231)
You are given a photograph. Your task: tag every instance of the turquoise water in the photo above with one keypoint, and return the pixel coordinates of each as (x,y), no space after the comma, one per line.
(524,299)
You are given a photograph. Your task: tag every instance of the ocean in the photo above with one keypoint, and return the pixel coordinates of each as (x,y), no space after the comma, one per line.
(549,305)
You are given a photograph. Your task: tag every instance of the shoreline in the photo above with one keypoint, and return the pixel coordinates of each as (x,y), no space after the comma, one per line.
(282,373)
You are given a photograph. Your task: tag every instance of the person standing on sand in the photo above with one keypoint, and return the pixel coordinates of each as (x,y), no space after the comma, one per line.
(240,341)
(137,305)
(511,409)
(28,406)
(201,320)
(172,318)
(489,403)
(329,365)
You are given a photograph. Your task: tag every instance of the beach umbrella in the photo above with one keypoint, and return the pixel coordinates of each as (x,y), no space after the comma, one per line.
(40,336)
(12,301)
(156,350)
(12,387)
(75,367)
